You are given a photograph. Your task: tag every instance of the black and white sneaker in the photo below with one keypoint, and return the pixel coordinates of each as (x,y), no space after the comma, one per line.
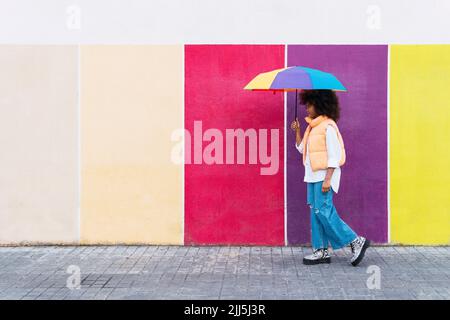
(318,256)
(358,247)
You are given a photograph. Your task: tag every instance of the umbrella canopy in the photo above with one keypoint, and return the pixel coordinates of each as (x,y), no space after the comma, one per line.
(296,77)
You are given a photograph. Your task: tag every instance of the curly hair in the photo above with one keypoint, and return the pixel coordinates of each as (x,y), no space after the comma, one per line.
(325,102)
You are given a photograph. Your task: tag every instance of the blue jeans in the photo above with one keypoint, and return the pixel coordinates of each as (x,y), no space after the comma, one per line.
(326,225)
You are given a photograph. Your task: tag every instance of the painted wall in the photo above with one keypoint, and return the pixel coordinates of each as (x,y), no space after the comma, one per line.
(131,101)
(233,203)
(419,132)
(39,143)
(362,196)
(92,143)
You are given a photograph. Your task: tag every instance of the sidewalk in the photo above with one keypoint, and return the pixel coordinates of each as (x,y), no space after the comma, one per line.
(177,272)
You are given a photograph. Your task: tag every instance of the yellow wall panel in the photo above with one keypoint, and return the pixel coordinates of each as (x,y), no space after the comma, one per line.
(419,150)
(131,102)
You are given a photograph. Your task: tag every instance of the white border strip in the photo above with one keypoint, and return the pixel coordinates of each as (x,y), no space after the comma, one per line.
(183,178)
(79,142)
(285,155)
(388,145)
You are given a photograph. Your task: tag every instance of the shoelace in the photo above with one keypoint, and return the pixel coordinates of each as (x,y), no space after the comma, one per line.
(353,244)
(320,251)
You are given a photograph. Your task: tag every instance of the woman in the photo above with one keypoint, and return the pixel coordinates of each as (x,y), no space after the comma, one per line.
(324,155)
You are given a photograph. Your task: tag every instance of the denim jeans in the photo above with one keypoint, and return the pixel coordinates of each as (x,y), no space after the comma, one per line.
(326,225)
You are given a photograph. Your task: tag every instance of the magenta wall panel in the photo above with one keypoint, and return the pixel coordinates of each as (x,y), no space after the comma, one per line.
(232,203)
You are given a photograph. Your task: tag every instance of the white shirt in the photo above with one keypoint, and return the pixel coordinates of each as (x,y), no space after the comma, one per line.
(334,155)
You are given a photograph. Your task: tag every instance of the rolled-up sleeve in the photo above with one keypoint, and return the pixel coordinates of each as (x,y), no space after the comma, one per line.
(333,147)
(299,147)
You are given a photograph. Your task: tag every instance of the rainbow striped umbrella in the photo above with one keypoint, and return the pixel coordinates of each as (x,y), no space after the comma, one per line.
(294,78)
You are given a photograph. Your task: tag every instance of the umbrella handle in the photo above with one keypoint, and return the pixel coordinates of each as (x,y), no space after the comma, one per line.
(296,118)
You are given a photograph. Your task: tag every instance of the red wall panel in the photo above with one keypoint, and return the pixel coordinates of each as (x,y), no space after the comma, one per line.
(233,203)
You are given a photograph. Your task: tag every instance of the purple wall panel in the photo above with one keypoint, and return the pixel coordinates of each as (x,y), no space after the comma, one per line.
(362,197)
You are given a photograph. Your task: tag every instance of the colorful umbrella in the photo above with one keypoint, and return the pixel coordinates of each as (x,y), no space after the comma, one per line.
(294,78)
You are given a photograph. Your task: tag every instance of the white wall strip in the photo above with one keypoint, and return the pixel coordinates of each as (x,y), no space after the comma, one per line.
(231,21)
